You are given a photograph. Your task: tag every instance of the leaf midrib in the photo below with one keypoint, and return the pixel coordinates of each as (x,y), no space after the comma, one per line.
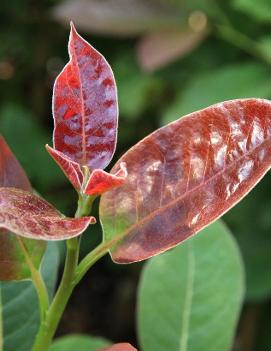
(82,103)
(189,291)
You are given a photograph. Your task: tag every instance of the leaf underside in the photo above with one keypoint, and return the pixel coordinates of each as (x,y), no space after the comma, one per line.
(85,106)
(185,175)
(32,217)
(12,261)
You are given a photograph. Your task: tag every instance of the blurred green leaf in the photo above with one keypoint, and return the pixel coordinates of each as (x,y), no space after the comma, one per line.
(79,342)
(20,306)
(226,83)
(259,9)
(134,87)
(190,297)
(27,140)
(264,44)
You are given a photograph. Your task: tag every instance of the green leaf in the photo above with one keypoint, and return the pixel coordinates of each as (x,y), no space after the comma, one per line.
(20,305)
(226,83)
(135,89)
(260,9)
(79,342)
(264,44)
(190,297)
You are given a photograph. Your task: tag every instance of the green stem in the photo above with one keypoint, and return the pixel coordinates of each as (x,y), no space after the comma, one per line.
(49,325)
(37,281)
(90,259)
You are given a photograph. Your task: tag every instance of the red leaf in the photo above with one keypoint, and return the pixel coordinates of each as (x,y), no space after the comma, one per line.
(12,262)
(11,172)
(32,217)
(71,169)
(100,181)
(186,175)
(120,347)
(85,106)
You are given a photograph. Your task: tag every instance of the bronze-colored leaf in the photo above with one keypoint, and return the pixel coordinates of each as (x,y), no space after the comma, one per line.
(186,175)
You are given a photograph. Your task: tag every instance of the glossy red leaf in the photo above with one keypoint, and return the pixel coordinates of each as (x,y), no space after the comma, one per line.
(71,169)
(12,262)
(32,217)
(120,347)
(185,175)
(85,106)
(100,181)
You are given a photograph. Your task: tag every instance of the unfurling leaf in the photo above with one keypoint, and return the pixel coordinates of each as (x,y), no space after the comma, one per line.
(185,175)
(85,110)
(70,168)
(120,347)
(100,181)
(32,217)
(12,261)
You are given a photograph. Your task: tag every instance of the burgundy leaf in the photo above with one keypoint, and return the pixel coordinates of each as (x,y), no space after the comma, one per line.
(11,172)
(120,347)
(186,175)
(71,169)
(101,181)
(32,217)
(85,106)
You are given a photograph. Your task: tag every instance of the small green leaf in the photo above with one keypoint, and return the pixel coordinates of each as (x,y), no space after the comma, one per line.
(20,305)
(226,83)
(79,342)
(190,297)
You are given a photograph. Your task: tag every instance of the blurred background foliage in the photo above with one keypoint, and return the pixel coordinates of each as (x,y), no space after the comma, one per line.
(170,58)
